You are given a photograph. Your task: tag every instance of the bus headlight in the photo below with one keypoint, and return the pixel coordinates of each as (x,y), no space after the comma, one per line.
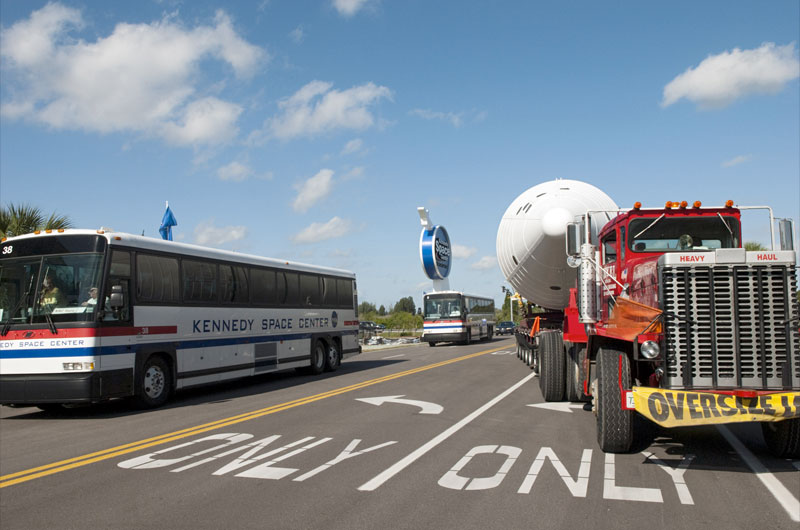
(649,349)
(78,366)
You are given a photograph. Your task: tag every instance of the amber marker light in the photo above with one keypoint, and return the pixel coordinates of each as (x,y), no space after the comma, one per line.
(684,204)
(697,204)
(668,205)
(637,205)
(729,203)
(60,230)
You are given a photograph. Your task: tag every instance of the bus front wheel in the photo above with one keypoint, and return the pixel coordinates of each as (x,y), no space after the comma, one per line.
(153,383)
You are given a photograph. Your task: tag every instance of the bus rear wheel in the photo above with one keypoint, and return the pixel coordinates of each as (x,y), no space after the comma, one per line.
(153,383)
(334,357)
(318,355)
(431,344)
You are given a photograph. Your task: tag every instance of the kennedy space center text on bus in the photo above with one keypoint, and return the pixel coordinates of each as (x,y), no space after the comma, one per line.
(87,316)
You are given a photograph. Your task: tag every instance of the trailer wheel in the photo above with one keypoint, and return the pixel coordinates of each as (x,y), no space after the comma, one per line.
(534,364)
(318,354)
(333,358)
(782,437)
(614,424)
(551,378)
(153,383)
(431,344)
(575,373)
(468,340)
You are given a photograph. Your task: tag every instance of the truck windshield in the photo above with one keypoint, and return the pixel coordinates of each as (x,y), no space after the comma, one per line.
(679,234)
(442,307)
(63,287)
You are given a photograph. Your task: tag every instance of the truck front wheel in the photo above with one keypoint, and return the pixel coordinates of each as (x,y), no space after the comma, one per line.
(782,437)
(614,424)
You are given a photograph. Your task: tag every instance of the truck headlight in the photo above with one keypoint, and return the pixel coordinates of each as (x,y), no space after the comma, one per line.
(649,349)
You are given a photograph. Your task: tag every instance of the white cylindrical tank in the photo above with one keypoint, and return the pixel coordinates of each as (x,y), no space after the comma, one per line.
(531,246)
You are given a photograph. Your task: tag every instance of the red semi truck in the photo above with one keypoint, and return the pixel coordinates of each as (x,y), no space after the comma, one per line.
(672,318)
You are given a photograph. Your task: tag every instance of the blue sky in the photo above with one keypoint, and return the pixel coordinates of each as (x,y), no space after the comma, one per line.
(311,130)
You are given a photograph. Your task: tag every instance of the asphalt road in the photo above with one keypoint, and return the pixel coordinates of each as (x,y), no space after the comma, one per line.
(455,443)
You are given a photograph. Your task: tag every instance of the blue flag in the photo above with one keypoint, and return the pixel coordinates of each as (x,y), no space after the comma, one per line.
(167,222)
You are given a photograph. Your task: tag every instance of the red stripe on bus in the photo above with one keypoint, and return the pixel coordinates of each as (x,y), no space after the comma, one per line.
(90,332)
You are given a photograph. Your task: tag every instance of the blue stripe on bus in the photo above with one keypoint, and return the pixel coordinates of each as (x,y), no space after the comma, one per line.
(442,327)
(130,348)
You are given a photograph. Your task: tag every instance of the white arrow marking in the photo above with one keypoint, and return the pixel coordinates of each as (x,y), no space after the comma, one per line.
(427,407)
(560,407)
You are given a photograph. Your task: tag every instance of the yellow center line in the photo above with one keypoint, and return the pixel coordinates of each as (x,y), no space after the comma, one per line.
(79,461)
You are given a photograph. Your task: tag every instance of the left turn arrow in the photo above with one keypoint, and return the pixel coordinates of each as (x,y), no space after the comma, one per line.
(425,406)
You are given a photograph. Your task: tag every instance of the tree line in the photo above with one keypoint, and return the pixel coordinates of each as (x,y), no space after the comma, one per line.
(404,314)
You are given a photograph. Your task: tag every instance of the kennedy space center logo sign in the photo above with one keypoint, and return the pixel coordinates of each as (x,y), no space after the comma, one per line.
(435,252)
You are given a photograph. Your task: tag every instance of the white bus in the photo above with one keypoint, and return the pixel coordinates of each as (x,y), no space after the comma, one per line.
(453,316)
(87,316)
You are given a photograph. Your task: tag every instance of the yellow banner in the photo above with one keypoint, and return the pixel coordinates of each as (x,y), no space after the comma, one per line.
(678,408)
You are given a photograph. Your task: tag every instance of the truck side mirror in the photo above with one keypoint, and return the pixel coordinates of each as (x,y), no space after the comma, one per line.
(785,231)
(574,237)
(117,300)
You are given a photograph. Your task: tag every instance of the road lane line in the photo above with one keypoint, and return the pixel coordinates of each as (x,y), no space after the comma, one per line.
(105,454)
(775,486)
(384,476)
(394,356)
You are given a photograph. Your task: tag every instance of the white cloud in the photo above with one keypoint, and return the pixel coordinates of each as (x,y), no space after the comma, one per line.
(348,8)
(353,146)
(485,263)
(456,119)
(463,252)
(235,171)
(721,79)
(141,78)
(206,233)
(313,190)
(316,109)
(297,35)
(354,174)
(317,232)
(205,121)
(735,161)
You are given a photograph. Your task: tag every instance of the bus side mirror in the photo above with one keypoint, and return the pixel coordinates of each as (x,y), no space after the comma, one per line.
(117,300)
(574,235)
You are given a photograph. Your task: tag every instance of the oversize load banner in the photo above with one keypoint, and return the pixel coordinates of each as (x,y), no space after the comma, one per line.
(678,408)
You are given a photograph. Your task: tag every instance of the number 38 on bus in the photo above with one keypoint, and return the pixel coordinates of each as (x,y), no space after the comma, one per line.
(87,316)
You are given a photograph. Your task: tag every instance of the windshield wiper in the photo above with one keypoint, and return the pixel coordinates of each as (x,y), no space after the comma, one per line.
(50,323)
(23,298)
(725,223)
(650,226)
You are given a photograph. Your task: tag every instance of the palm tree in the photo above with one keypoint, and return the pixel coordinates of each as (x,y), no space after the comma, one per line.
(16,220)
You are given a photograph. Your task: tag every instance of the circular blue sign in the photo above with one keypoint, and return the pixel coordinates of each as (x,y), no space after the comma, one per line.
(435,252)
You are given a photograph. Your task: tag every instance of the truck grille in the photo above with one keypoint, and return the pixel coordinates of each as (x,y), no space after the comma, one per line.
(730,326)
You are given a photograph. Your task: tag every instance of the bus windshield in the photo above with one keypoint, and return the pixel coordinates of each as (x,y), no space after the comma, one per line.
(442,307)
(677,234)
(62,288)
